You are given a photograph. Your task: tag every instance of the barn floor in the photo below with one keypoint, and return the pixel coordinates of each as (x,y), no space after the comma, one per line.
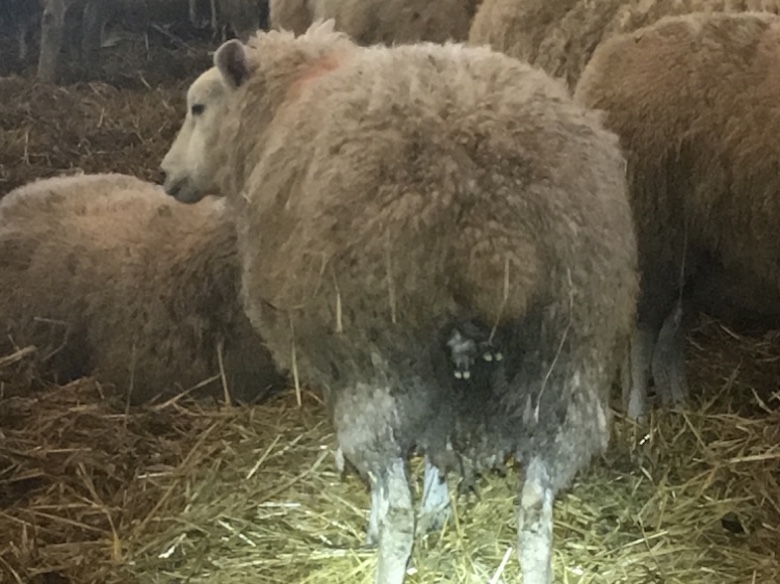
(94,492)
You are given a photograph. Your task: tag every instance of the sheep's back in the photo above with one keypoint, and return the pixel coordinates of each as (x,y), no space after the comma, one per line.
(114,261)
(693,99)
(560,36)
(415,193)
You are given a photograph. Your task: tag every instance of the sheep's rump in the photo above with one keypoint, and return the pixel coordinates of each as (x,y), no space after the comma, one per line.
(384,210)
(560,35)
(694,101)
(111,277)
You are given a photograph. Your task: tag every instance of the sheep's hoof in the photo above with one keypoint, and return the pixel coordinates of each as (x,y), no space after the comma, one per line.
(490,354)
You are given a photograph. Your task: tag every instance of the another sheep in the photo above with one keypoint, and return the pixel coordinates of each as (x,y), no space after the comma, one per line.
(381,21)
(398,21)
(110,276)
(694,101)
(379,213)
(560,35)
(291,15)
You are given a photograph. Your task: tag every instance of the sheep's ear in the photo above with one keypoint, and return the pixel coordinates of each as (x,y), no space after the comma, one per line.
(230,58)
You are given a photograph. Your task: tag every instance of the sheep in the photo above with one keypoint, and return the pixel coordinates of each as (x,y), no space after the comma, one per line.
(379,21)
(291,15)
(112,277)
(379,215)
(560,35)
(693,100)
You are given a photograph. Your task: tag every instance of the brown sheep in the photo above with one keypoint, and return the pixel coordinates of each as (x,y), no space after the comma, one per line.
(560,35)
(112,277)
(693,99)
(370,22)
(292,15)
(466,190)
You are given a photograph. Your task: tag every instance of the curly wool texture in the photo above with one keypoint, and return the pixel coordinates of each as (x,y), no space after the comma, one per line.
(694,100)
(380,21)
(560,35)
(465,185)
(112,277)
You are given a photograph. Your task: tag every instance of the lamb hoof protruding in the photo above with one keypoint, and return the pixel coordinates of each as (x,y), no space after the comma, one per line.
(463,351)
(490,354)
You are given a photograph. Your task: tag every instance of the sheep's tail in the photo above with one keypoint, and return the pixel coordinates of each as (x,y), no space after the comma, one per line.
(497,279)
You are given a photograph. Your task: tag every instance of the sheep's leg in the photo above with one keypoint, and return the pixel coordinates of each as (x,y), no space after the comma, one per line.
(395,521)
(535,524)
(668,364)
(642,343)
(436,505)
(377,500)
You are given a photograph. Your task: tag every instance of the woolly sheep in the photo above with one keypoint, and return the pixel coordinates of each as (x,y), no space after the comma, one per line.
(380,21)
(291,15)
(560,35)
(392,211)
(112,277)
(693,99)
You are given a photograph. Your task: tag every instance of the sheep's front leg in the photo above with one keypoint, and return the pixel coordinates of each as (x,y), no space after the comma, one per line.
(668,363)
(642,343)
(436,505)
(535,524)
(394,522)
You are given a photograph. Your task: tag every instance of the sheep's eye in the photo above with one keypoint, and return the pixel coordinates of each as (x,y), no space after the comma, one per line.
(197,109)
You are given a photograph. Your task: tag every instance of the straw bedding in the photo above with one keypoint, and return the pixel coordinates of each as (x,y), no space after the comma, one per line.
(197,492)
(92,491)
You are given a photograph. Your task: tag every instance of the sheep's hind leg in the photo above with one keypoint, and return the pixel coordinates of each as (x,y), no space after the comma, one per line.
(436,505)
(394,522)
(668,364)
(535,524)
(642,343)
(377,500)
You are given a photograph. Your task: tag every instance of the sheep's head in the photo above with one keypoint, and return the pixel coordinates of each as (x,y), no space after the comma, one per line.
(191,164)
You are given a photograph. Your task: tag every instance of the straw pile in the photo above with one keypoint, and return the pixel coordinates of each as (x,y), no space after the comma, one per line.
(92,491)
(194,492)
